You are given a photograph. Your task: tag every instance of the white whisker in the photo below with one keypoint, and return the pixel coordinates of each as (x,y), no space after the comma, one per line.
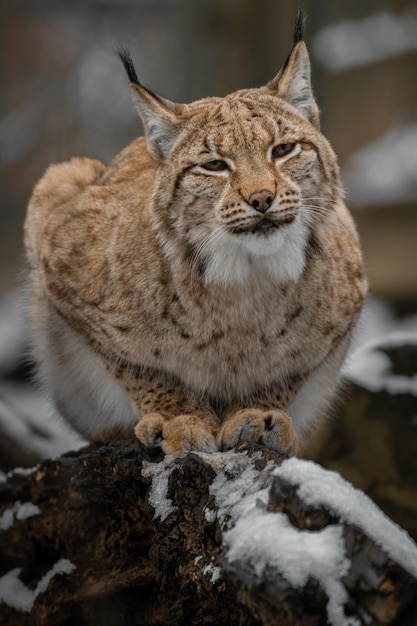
(314,213)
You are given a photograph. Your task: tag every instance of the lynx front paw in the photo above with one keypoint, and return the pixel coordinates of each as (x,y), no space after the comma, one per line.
(177,435)
(272,428)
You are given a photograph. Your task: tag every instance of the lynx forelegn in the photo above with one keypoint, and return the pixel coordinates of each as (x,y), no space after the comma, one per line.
(201,289)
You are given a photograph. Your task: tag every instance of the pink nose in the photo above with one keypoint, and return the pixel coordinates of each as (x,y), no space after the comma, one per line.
(261,200)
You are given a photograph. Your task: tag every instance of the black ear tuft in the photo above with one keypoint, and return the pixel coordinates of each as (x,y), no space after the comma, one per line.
(127,61)
(300,22)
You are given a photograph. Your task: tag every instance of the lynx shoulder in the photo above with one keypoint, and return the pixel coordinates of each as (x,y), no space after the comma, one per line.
(201,289)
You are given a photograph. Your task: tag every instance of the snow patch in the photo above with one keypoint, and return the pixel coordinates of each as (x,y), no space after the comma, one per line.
(367,364)
(353,43)
(263,548)
(259,544)
(319,487)
(22,471)
(238,486)
(213,571)
(373,368)
(19,511)
(159,474)
(25,414)
(16,595)
(383,172)
(210,515)
(27,417)
(266,543)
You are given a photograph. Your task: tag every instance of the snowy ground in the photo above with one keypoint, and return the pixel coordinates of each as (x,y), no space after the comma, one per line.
(26,416)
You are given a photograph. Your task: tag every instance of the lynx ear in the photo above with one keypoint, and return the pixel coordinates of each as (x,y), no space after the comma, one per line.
(160,117)
(293,81)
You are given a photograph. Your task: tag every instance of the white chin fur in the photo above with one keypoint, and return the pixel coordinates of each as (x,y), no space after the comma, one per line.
(237,258)
(259,245)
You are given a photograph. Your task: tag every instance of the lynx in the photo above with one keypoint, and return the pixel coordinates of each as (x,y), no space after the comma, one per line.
(201,290)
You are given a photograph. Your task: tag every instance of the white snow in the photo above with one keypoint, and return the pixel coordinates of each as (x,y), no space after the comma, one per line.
(367,365)
(384,171)
(379,322)
(373,369)
(210,515)
(238,486)
(213,571)
(159,473)
(267,543)
(26,510)
(22,471)
(320,487)
(27,417)
(19,511)
(16,595)
(353,43)
(259,543)
(25,414)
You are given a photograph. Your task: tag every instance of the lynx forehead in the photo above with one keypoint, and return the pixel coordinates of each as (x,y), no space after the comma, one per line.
(202,288)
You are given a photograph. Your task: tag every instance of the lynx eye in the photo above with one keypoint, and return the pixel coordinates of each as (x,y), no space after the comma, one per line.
(217,165)
(282,150)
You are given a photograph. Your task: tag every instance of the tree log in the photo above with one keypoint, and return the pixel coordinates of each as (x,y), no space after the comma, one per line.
(106,535)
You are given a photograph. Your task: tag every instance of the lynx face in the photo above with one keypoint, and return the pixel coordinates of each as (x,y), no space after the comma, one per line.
(253,180)
(249,189)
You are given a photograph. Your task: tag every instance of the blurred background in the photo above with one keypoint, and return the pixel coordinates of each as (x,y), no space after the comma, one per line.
(64,93)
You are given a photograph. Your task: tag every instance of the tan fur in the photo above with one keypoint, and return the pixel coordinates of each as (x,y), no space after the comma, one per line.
(152,302)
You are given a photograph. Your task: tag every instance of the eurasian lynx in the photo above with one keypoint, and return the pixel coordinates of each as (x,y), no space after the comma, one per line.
(202,288)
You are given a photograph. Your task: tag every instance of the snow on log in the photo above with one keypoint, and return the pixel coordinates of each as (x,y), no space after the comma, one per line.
(105,535)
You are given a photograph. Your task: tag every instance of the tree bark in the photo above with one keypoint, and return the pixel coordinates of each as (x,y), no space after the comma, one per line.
(140,542)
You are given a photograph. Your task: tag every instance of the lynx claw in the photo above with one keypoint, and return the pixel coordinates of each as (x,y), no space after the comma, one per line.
(177,435)
(272,428)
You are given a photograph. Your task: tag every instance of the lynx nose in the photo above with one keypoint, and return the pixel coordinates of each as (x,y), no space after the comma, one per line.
(261,200)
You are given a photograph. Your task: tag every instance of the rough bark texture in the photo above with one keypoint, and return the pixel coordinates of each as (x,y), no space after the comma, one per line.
(133,567)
